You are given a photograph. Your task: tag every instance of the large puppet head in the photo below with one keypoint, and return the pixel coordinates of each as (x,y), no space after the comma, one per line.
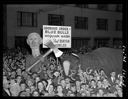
(34,40)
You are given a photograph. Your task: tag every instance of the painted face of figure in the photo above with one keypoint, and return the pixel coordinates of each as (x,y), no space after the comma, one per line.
(34,40)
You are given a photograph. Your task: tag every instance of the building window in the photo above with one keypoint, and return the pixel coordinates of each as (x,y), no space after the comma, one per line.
(54,19)
(117,43)
(82,5)
(81,22)
(118,25)
(78,43)
(26,19)
(102,6)
(101,42)
(102,24)
(119,7)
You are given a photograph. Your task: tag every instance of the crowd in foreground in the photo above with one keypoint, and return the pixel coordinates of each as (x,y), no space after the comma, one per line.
(78,83)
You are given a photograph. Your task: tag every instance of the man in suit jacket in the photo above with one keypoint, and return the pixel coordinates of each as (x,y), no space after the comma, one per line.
(6,91)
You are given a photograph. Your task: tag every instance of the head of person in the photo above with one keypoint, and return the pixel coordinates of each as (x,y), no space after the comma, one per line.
(83,86)
(51,88)
(19,71)
(34,40)
(99,84)
(30,82)
(34,75)
(12,81)
(63,83)
(101,92)
(93,83)
(24,74)
(28,90)
(83,94)
(59,88)
(19,79)
(67,80)
(37,79)
(40,85)
(22,86)
(113,74)
(35,93)
(13,74)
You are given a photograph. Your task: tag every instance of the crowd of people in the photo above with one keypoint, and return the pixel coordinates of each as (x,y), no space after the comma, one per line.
(78,83)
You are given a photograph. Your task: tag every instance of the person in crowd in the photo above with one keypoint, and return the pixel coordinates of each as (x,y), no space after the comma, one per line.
(59,90)
(32,88)
(113,77)
(92,82)
(14,88)
(37,79)
(28,91)
(35,93)
(23,94)
(19,71)
(51,90)
(100,93)
(73,89)
(18,79)
(6,88)
(45,83)
(22,86)
(13,74)
(40,87)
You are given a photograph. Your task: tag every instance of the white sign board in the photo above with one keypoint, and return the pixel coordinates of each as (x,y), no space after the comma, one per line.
(59,35)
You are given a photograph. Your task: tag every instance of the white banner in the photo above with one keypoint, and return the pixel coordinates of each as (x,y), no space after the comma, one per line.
(59,35)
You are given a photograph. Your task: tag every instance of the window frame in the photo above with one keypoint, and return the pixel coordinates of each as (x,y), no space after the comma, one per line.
(20,19)
(118,25)
(60,20)
(79,22)
(99,25)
